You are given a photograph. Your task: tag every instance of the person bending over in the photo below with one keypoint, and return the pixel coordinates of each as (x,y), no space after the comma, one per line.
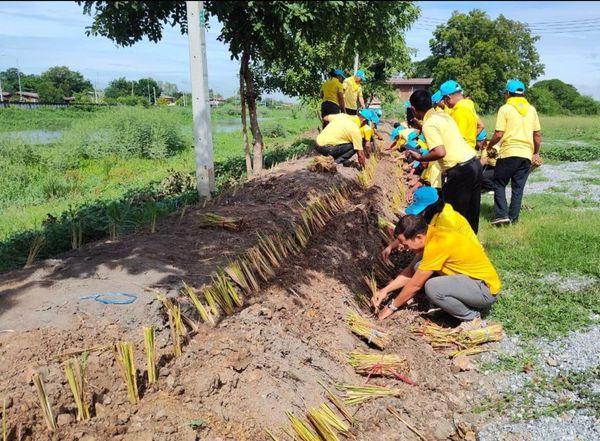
(455,272)
(342,138)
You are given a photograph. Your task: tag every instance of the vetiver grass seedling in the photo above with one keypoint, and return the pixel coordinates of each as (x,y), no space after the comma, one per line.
(301,428)
(34,249)
(366,329)
(4,423)
(44,402)
(75,371)
(356,394)
(126,361)
(205,315)
(150,346)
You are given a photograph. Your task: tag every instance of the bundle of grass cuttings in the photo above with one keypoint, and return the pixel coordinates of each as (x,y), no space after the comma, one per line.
(214,220)
(150,346)
(301,428)
(386,228)
(327,423)
(366,329)
(365,177)
(322,164)
(75,371)
(464,342)
(380,365)
(337,402)
(125,359)
(356,394)
(44,402)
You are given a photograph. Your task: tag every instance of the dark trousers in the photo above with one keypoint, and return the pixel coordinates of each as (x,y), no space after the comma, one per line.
(487,178)
(329,108)
(340,153)
(516,170)
(351,111)
(462,190)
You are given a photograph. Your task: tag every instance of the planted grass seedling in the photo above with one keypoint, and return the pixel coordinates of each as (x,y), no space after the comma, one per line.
(44,402)
(150,346)
(75,371)
(366,329)
(357,394)
(203,312)
(34,249)
(176,328)
(4,423)
(125,360)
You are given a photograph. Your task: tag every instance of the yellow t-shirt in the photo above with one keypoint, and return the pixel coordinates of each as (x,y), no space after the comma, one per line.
(440,129)
(465,116)
(451,253)
(352,90)
(330,89)
(341,129)
(433,174)
(367,132)
(449,218)
(403,136)
(518,120)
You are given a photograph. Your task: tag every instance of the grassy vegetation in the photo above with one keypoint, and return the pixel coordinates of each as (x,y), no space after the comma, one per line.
(115,157)
(557,235)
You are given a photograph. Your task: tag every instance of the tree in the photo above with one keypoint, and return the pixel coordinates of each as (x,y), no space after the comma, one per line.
(119,87)
(482,54)
(145,87)
(267,36)
(66,81)
(169,88)
(556,97)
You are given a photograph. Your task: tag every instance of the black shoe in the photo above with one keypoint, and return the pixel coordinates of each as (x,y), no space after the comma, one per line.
(500,221)
(348,163)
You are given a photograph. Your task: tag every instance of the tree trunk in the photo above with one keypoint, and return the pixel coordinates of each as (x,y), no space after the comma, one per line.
(257,139)
(243,62)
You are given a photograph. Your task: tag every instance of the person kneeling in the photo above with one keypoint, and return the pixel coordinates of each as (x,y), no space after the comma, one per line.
(455,273)
(342,138)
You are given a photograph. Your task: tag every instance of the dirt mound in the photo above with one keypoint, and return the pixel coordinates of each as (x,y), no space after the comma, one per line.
(238,378)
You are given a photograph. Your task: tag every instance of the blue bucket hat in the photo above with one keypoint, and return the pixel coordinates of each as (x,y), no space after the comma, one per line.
(339,72)
(361,74)
(378,112)
(370,115)
(482,135)
(422,198)
(436,98)
(396,132)
(515,86)
(450,87)
(412,141)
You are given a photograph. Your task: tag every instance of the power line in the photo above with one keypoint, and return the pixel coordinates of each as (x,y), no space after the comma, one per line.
(590,23)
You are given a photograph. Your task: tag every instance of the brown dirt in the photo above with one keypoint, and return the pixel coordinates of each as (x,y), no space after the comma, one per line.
(241,376)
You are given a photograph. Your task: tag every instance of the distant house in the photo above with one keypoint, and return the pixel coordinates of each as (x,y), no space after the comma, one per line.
(375,103)
(406,86)
(68,99)
(215,102)
(28,97)
(167,99)
(6,96)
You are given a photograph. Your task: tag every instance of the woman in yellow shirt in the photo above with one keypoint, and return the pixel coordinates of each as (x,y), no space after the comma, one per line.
(332,94)
(465,283)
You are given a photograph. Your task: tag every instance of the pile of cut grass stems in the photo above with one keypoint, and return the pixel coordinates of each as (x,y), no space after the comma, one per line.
(327,423)
(125,359)
(323,164)
(44,402)
(75,370)
(357,394)
(301,428)
(150,346)
(366,329)
(216,220)
(464,342)
(366,176)
(338,403)
(377,364)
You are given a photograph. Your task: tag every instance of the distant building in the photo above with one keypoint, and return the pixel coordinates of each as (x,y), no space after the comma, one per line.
(406,86)
(375,103)
(28,97)
(6,96)
(68,99)
(168,99)
(215,102)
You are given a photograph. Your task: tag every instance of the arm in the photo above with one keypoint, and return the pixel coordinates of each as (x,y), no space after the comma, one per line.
(434,154)
(395,284)
(411,287)
(498,134)
(394,245)
(341,101)
(361,100)
(362,160)
(537,142)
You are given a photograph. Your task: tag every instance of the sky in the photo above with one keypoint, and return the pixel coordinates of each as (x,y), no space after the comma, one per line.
(38,35)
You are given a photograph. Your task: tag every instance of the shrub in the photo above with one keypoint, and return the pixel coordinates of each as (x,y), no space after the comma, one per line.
(275,131)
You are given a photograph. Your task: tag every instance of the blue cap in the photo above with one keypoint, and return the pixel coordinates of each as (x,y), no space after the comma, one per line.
(396,132)
(436,98)
(361,74)
(422,198)
(339,72)
(450,87)
(378,112)
(406,104)
(412,141)
(482,135)
(370,115)
(515,86)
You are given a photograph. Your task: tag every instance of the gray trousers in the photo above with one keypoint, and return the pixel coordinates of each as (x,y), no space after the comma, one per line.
(460,296)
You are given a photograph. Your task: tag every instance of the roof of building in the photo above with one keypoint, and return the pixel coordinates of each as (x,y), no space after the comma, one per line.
(410,81)
(28,94)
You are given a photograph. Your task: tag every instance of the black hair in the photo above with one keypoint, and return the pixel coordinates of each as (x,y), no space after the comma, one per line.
(409,226)
(332,73)
(410,116)
(421,100)
(433,209)
(396,124)
(512,94)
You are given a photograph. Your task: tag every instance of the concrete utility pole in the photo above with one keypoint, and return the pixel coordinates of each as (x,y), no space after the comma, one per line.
(203,146)
(1,93)
(154,93)
(355,63)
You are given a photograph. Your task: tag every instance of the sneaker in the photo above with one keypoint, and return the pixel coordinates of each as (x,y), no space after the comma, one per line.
(348,163)
(498,222)
(471,325)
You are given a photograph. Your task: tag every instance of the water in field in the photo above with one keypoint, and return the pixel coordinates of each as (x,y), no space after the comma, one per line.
(38,137)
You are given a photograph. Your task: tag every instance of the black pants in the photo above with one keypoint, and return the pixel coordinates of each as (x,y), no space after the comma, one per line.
(516,170)
(351,111)
(329,108)
(340,152)
(487,178)
(462,190)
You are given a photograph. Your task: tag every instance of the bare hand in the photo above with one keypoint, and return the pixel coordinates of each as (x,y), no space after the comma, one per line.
(385,254)
(385,313)
(414,154)
(378,297)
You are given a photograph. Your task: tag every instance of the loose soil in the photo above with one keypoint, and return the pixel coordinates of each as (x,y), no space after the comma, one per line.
(238,378)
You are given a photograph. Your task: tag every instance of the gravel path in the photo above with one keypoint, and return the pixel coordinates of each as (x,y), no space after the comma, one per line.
(567,176)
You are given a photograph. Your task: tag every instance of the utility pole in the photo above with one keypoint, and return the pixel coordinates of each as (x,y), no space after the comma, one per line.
(154,93)
(132,82)
(203,145)
(148,84)
(1,93)
(355,63)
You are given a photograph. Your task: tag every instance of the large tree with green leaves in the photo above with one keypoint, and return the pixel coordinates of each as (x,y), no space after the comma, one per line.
(554,97)
(482,54)
(304,38)
(65,80)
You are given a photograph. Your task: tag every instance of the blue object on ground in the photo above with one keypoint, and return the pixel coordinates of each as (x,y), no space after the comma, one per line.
(112,298)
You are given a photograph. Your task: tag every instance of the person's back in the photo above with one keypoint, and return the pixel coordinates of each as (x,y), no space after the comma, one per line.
(518,120)
(352,91)
(465,116)
(440,129)
(330,89)
(341,129)
(449,218)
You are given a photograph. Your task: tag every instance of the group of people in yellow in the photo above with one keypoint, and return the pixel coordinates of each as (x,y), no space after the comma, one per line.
(445,149)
